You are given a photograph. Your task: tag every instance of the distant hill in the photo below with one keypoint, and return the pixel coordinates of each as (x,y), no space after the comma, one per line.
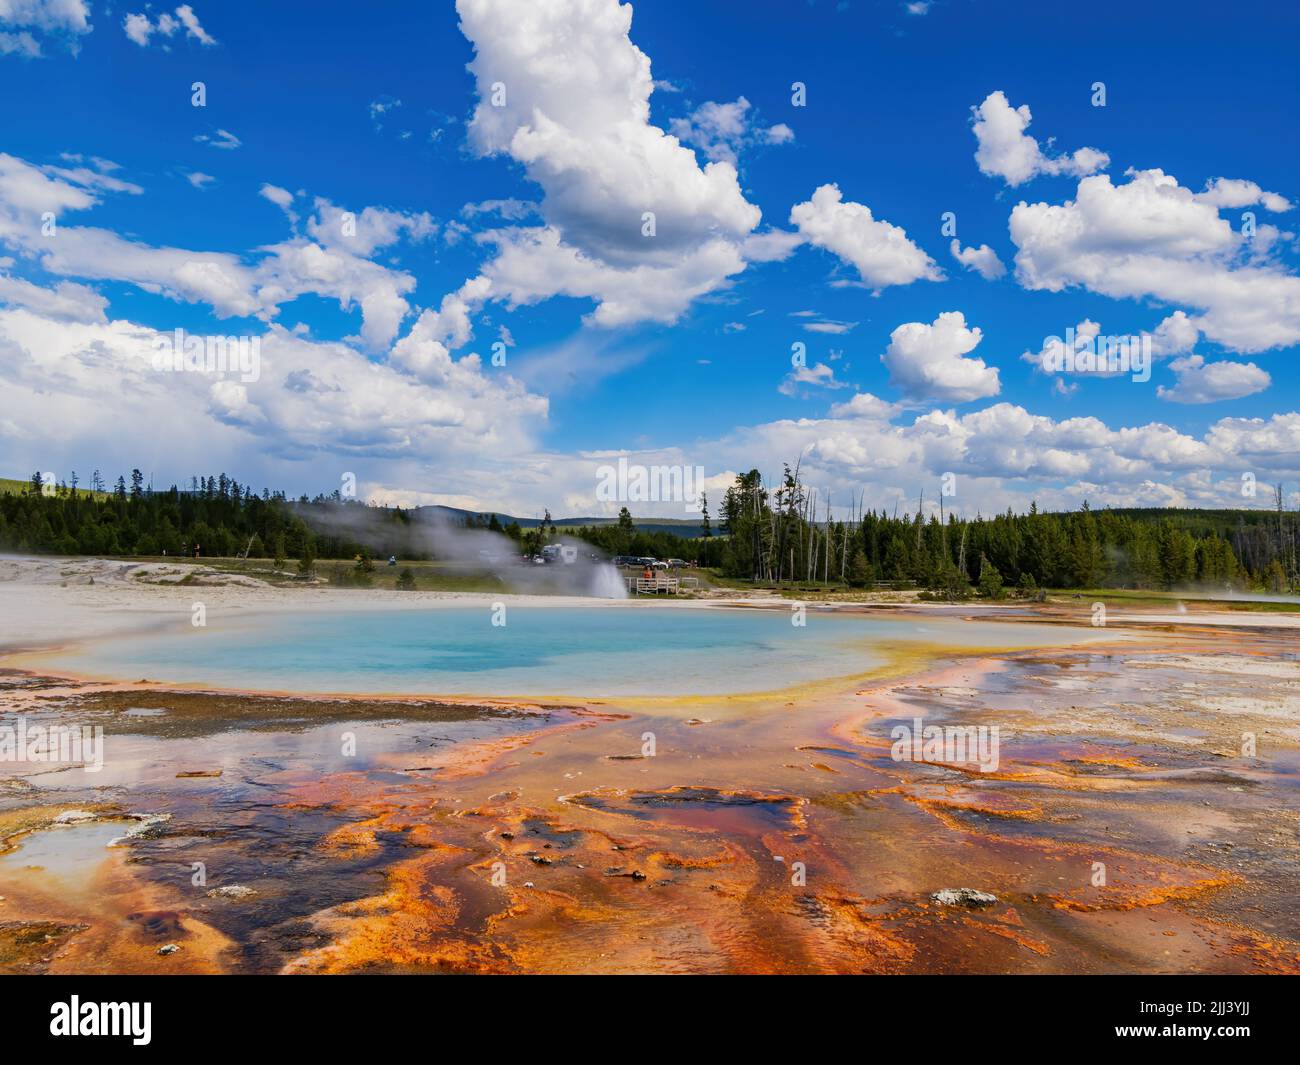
(688,528)
(11,487)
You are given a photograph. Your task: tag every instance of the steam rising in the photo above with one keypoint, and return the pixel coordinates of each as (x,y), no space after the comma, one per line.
(476,550)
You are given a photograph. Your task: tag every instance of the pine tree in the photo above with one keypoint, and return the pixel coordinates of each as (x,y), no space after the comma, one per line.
(990,579)
(860,572)
(307,563)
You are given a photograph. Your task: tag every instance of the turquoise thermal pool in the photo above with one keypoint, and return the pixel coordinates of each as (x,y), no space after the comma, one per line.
(595,652)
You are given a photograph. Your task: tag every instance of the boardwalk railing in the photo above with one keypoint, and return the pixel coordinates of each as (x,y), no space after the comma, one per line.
(661,583)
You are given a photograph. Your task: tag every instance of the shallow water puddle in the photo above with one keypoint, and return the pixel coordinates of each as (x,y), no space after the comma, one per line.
(70,853)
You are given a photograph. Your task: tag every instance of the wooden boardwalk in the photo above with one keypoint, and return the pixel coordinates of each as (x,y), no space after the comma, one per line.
(661,584)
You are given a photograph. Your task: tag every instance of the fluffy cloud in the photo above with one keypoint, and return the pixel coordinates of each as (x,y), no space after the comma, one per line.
(66,301)
(65,362)
(564,92)
(882,253)
(23,44)
(1002,455)
(1208,382)
(818,375)
(1233,193)
(575,112)
(511,209)
(1150,237)
(426,350)
(299,267)
(1175,335)
(218,279)
(282,198)
(535,264)
(139,29)
(866,406)
(337,266)
(983,260)
(1085,333)
(1083,349)
(191,23)
(27,192)
(96,380)
(1006,441)
(1007,151)
(929,361)
(23,22)
(365,232)
(722,131)
(630,218)
(1271,444)
(393,421)
(771,245)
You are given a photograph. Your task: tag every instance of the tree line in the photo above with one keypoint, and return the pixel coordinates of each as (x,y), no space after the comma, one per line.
(783,534)
(786,533)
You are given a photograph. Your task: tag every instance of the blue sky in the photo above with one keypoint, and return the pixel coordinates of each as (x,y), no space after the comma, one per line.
(522,224)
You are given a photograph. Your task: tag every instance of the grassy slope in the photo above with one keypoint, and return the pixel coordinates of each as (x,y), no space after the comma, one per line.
(10,487)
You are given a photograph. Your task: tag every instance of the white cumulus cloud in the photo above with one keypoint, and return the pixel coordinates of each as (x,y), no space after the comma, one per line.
(1234,192)
(1007,151)
(930,361)
(722,130)
(140,30)
(1209,382)
(335,265)
(1150,237)
(631,218)
(881,252)
(983,260)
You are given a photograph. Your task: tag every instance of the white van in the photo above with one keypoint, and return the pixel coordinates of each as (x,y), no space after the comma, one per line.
(566,553)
